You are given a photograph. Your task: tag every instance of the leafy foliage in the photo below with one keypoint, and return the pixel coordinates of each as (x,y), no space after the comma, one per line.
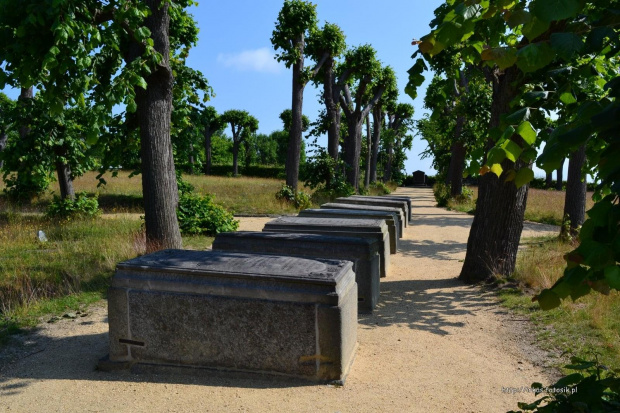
(82,206)
(198,214)
(300,199)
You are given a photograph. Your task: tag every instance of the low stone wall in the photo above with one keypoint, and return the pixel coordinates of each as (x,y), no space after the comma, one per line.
(378,201)
(396,211)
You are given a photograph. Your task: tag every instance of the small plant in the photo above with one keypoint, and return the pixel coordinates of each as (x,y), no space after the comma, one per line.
(442,194)
(82,206)
(183,186)
(301,200)
(198,214)
(593,388)
(381,186)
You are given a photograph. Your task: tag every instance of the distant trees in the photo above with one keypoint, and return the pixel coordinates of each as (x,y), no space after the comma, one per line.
(242,126)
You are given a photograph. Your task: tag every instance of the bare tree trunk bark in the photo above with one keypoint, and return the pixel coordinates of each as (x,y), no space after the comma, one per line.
(192,161)
(549,180)
(159,185)
(207,136)
(235,158)
(457,166)
(3,139)
(576,188)
(368,153)
(498,222)
(377,117)
(559,182)
(294,145)
(65,181)
(352,149)
(332,109)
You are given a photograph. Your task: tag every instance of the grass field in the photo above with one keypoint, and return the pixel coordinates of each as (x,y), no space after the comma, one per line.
(544,206)
(583,328)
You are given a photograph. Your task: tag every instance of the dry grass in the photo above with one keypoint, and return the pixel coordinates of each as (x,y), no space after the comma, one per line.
(586,326)
(544,206)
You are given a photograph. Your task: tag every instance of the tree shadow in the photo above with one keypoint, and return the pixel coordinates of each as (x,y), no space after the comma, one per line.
(432,250)
(435,306)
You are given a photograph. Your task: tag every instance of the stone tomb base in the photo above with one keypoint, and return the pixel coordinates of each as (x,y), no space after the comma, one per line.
(233,311)
(363,252)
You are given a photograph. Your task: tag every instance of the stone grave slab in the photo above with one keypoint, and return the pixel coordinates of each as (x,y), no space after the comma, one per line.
(390,219)
(404,204)
(232,311)
(398,212)
(365,228)
(363,252)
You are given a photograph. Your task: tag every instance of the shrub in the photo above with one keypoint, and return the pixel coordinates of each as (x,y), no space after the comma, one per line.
(301,200)
(382,187)
(82,206)
(198,214)
(183,186)
(442,194)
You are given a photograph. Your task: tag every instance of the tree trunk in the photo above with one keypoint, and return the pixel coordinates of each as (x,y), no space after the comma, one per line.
(3,139)
(207,136)
(387,174)
(575,198)
(498,222)
(25,93)
(559,183)
(65,181)
(352,149)
(377,117)
(159,185)
(549,180)
(248,154)
(368,153)
(192,161)
(332,109)
(457,166)
(235,158)
(294,145)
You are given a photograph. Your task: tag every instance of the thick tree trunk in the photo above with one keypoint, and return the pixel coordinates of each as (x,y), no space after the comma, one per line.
(575,198)
(65,181)
(207,136)
(248,154)
(498,222)
(159,185)
(387,174)
(377,117)
(25,93)
(549,180)
(352,149)
(457,166)
(294,143)
(559,183)
(368,153)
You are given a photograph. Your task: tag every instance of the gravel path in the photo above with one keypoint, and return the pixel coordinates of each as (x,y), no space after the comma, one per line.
(432,345)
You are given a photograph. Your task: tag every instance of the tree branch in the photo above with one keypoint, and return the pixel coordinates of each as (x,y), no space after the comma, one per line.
(373,102)
(319,65)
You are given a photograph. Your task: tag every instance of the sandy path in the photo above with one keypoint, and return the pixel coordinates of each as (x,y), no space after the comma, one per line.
(432,345)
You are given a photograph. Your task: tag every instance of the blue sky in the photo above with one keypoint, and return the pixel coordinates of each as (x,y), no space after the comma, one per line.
(234,52)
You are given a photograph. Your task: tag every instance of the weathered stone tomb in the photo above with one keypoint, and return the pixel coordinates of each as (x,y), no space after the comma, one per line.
(398,212)
(390,219)
(363,252)
(248,312)
(365,228)
(379,201)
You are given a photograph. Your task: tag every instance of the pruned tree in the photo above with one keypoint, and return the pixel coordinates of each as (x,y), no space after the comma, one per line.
(242,126)
(212,123)
(297,19)
(399,123)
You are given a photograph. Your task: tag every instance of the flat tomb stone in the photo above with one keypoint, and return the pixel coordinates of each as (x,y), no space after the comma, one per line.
(397,211)
(365,228)
(390,219)
(384,201)
(363,252)
(246,312)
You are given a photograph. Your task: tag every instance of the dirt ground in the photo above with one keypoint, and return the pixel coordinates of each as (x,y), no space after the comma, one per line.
(432,345)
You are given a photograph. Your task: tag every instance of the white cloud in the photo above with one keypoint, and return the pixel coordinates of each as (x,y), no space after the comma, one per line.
(259,60)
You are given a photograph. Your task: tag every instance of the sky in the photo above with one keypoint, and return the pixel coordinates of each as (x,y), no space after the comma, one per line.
(235,54)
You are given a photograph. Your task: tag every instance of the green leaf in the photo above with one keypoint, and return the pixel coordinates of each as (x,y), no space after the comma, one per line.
(518,116)
(527,132)
(496,156)
(534,56)
(524,175)
(519,17)
(567,45)
(552,10)
(612,275)
(548,300)
(534,28)
(567,97)
(513,151)
(132,107)
(497,169)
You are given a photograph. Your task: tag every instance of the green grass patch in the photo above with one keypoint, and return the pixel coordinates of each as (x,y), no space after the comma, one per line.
(582,328)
